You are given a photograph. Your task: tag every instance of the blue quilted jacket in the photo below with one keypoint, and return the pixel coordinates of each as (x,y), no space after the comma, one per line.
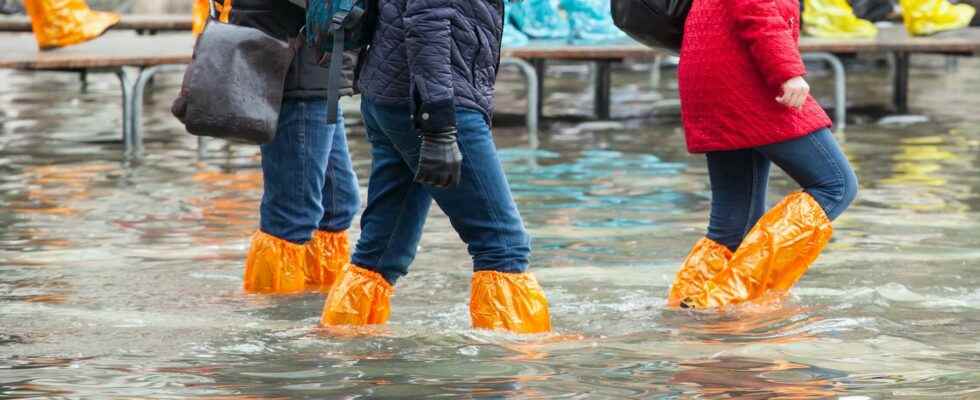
(434,55)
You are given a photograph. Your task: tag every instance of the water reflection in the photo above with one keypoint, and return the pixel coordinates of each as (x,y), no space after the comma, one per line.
(124,281)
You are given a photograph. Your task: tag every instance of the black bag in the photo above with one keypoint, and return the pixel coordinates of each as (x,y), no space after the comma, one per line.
(874,10)
(233,88)
(655,23)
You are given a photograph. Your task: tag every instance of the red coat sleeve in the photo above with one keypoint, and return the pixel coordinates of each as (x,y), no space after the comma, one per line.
(770,40)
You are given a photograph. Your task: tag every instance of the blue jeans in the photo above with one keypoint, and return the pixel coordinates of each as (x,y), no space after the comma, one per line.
(480,209)
(740,178)
(309,180)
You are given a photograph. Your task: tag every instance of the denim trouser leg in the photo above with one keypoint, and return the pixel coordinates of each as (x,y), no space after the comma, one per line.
(739,180)
(341,199)
(481,209)
(308,179)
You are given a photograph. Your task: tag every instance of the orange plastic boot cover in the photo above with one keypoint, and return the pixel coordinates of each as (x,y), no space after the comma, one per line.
(512,302)
(360,297)
(326,256)
(58,23)
(274,265)
(773,256)
(706,259)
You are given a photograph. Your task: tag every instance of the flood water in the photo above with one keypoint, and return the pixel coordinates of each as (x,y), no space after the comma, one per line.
(123,279)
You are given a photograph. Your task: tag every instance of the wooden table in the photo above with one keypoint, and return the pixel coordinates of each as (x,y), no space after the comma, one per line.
(893,41)
(111,53)
(141,23)
(114,52)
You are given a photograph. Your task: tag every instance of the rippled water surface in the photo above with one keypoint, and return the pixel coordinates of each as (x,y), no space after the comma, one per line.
(123,280)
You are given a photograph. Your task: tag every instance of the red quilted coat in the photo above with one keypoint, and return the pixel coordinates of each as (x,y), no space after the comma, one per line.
(735,57)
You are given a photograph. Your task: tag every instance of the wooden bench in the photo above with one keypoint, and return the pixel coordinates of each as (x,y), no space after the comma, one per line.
(111,53)
(150,24)
(892,41)
(118,53)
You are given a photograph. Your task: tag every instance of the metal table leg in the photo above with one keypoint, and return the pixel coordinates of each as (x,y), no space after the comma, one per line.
(202,148)
(540,69)
(126,82)
(840,86)
(900,87)
(603,89)
(532,82)
(655,72)
(136,125)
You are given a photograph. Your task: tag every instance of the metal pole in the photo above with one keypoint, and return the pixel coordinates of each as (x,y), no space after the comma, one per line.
(136,125)
(125,80)
(602,89)
(840,86)
(531,80)
(900,88)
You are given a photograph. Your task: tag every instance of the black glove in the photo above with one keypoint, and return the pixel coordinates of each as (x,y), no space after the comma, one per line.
(440,162)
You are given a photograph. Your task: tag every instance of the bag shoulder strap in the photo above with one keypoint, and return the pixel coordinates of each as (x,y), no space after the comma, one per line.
(336,75)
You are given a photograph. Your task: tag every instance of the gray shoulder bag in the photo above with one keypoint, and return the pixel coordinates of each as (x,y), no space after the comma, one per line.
(233,88)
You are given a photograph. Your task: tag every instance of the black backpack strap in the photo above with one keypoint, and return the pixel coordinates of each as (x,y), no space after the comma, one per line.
(336,76)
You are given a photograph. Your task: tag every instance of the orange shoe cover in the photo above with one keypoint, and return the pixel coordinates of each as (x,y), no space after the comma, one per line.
(706,259)
(512,302)
(58,23)
(360,297)
(274,265)
(326,256)
(773,256)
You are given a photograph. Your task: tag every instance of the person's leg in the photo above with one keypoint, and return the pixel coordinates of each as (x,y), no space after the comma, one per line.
(293,166)
(817,163)
(391,227)
(788,238)
(329,248)
(739,180)
(484,214)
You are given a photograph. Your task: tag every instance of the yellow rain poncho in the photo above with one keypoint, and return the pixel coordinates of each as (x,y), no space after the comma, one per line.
(926,17)
(834,19)
(59,23)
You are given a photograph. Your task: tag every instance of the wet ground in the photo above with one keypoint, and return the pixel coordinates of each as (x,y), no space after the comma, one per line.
(123,280)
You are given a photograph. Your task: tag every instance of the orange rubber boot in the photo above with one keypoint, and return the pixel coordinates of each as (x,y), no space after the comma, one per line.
(773,256)
(511,302)
(59,23)
(327,254)
(359,297)
(274,265)
(706,259)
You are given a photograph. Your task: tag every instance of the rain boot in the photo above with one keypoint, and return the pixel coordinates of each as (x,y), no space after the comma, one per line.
(59,23)
(926,17)
(274,265)
(511,302)
(706,259)
(359,297)
(835,19)
(772,257)
(327,254)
